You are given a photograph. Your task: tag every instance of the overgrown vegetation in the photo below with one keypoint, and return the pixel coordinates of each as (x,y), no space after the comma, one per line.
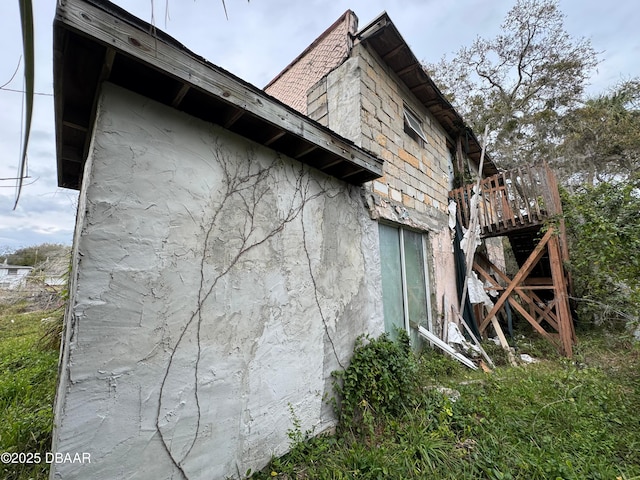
(559,418)
(29,342)
(604,235)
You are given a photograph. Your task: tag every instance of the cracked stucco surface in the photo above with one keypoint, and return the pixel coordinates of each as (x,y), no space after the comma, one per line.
(215,284)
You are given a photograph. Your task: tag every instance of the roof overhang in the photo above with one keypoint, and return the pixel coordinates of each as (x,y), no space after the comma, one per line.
(96,41)
(383,37)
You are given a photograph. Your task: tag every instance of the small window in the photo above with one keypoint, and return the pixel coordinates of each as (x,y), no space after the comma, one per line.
(12,271)
(413,127)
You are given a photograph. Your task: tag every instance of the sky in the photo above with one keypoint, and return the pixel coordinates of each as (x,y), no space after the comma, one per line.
(259,38)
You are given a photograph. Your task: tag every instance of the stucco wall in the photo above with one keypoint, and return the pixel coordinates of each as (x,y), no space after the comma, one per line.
(216,286)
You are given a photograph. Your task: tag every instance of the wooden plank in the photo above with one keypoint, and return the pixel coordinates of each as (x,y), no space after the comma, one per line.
(275,137)
(185,67)
(304,151)
(537,203)
(548,315)
(524,271)
(233,117)
(531,320)
(445,347)
(491,218)
(565,322)
(517,196)
(503,340)
(75,126)
(524,194)
(531,297)
(177,100)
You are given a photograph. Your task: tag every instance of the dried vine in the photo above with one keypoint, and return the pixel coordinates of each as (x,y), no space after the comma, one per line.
(246,183)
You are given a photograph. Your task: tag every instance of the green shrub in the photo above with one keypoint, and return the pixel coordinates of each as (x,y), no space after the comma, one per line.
(379,381)
(604,236)
(556,419)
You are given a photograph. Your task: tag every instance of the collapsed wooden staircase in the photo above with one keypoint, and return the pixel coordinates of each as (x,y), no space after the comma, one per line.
(524,206)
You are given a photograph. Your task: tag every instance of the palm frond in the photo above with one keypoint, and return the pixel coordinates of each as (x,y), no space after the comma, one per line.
(28,40)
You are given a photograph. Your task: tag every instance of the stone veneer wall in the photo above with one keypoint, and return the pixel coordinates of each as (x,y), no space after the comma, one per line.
(365,92)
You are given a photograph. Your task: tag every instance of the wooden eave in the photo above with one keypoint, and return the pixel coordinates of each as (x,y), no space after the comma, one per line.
(95,41)
(383,37)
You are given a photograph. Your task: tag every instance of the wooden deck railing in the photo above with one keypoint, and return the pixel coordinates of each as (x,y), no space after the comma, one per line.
(512,200)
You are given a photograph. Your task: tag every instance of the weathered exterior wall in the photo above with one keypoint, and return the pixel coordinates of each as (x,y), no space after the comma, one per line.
(13,276)
(216,286)
(415,176)
(365,102)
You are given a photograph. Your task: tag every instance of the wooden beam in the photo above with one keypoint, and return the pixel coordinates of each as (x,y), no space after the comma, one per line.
(472,335)
(530,298)
(565,322)
(393,52)
(355,172)
(503,340)
(177,100)
(406,69)
(524,271)
(71,154)
(75,126)
(275,137)
(304,151)
(531,320)
(233,117)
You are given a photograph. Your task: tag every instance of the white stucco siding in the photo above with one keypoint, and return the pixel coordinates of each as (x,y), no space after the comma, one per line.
(215,285)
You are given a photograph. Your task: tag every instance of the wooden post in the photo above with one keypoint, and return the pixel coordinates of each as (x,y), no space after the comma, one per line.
(565,322)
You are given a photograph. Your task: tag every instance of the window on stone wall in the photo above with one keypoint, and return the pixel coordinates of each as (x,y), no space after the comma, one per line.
(405,279)
(413,127)
(12,271)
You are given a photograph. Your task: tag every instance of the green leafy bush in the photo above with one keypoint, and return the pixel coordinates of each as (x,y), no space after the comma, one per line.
(380,380)
(604,235)
(556,419)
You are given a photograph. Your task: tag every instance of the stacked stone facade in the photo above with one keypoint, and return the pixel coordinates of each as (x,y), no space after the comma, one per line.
(368,101)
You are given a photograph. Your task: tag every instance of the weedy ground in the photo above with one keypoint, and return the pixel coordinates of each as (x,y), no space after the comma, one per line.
(554,419)
(28,372)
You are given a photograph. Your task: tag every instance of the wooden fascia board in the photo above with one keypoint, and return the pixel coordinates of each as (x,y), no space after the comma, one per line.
(103,27)
(58,39)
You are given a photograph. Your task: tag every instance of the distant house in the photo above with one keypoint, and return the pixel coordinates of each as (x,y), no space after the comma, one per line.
(232,243)
(13,277)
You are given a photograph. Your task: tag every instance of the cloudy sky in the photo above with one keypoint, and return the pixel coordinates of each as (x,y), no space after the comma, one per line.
(257,41)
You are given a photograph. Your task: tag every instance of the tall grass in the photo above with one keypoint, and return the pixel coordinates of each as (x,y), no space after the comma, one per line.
(28,370)
(556,419)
